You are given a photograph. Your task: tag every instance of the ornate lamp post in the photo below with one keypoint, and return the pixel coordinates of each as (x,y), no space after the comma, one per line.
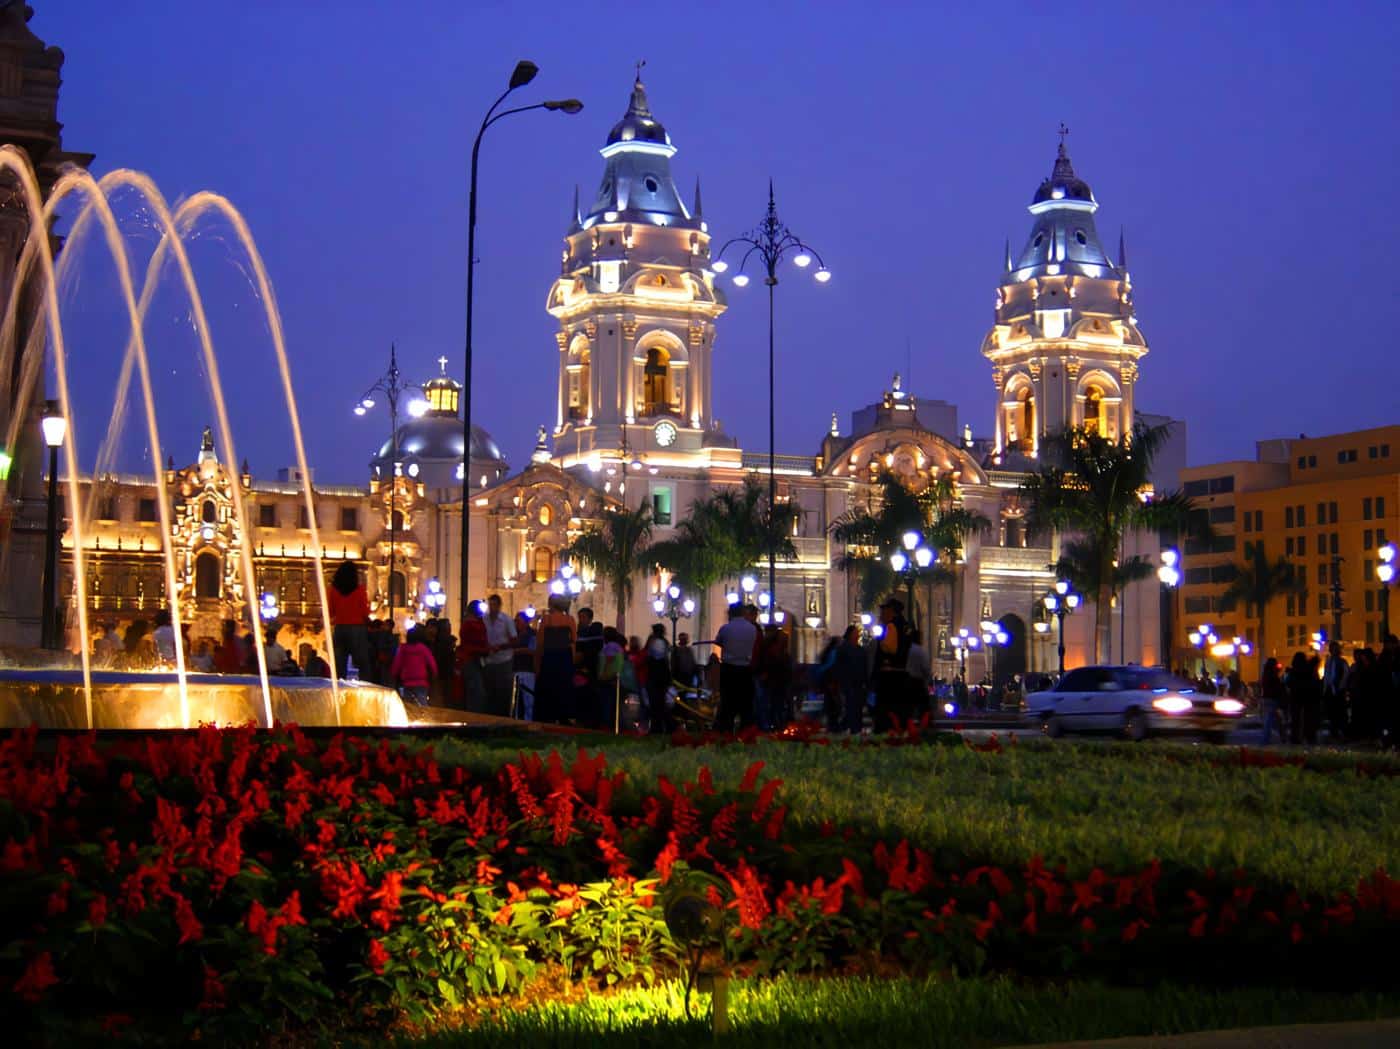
(1385,573)
(964,641)
(523,73)
(772,242)
(909,561)
(392,386)
(673,605)
(55,428)
(1062,602)
(566,583)
(1169,574)
(1204,640)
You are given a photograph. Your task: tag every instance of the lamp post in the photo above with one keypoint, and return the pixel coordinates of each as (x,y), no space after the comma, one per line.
(908,561)
(674,605)
(1204,640)
(964,641)
(1385,573)
(566,583)
(772,241)
(55,427)
(523,73)
(1169,574)
(994,637)
(1060,603)
(392,386)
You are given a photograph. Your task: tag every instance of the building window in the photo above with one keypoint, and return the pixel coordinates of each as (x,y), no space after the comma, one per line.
(544,564)
(208,576)
(656,382)
(661,505)
(349,519)
(267,515)
(146,510)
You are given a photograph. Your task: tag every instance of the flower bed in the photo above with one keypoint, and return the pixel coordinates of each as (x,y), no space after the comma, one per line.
(237,881)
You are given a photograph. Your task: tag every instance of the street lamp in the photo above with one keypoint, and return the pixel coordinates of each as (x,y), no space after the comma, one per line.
(1204,640)
(566,583)
(994,637)
(673,605)
(1169,574)
(55,427)
(908,561)
(1060,603)
(1385,573)
(773,242)
(523,73)
(434,599)
(392,386)
(964,641)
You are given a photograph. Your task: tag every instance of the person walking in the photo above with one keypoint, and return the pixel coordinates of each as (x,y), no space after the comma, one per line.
(852,680)
(349,609)
(1271,700)
(891,670)
(736,641)
(1334,693)
(554,662)
(413,668)
(658,663)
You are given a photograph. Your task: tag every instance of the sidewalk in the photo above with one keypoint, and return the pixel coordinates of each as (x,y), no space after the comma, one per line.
(1373,1034)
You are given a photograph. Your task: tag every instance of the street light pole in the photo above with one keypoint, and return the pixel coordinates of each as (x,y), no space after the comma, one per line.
(523,73)
(773,242)
(55,428)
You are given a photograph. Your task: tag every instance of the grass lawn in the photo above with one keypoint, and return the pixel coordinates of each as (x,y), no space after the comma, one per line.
(848,1012)
(1114,806)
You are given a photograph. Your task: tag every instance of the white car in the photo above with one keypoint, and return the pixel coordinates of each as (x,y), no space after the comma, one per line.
(1135,702)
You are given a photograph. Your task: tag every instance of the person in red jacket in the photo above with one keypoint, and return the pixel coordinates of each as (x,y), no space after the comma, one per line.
(349,608)
(414,668)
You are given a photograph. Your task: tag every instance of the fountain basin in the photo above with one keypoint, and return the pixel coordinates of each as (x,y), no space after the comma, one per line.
(53,699)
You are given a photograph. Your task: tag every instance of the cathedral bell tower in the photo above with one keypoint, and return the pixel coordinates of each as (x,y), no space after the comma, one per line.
(1065,346)
(636,305)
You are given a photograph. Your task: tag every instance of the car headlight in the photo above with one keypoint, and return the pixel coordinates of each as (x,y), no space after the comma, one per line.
(1172,704)
(1228,706)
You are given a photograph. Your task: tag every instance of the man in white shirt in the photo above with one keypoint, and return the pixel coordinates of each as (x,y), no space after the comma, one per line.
(736,640)
(497,665)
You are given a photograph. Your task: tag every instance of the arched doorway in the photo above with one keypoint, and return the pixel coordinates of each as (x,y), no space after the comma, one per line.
(209,576)
(1013,655)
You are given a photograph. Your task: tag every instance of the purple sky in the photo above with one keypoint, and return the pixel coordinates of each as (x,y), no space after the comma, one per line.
(1250,150)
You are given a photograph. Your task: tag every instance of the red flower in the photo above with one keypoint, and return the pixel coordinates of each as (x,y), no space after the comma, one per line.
(38,977)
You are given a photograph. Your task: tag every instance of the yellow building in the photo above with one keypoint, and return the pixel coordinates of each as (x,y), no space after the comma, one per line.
(1325,504)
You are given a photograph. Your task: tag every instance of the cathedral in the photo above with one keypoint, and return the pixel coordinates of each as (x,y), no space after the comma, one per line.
(638,305)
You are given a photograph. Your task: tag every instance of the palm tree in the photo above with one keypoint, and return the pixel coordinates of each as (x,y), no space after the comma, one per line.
(725,533)
(871,534)
(1259,582)
(616,551)
(1092,489)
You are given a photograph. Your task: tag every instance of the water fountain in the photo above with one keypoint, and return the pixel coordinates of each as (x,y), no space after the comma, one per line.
(72,699)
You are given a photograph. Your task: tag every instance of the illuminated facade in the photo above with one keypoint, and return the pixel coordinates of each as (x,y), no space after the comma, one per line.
(1324,504)
(1065,346)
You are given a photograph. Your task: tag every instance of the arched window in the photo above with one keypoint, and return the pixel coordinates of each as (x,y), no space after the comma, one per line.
(209,513)
(209,574)
(544,564)
(580,377)
(1094,415)
(656,382)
